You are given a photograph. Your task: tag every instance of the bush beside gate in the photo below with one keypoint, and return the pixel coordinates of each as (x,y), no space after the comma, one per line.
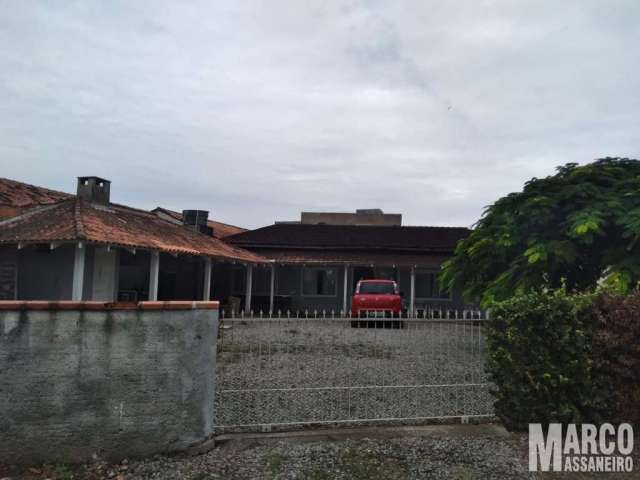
(616,354)
(567,358)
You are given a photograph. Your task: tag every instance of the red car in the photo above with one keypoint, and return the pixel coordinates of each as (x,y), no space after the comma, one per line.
(376,298)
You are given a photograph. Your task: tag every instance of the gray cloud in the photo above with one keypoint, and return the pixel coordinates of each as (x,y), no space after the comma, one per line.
(257,110)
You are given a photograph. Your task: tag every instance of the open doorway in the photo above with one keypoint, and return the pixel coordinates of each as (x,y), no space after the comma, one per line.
(361,273)
(368,273)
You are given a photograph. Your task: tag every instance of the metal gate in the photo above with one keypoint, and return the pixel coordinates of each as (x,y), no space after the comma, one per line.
(290,371)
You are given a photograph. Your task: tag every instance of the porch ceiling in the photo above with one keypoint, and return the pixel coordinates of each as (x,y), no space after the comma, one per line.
(400,259)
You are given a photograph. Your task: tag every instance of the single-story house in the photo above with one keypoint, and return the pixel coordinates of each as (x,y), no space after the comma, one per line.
(317,262)
(57,246)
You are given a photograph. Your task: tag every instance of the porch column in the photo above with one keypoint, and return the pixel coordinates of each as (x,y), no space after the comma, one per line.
(206,286)
(249,282)
(154,272)
(78,272)
(272,287)
(346,286)
(412,297)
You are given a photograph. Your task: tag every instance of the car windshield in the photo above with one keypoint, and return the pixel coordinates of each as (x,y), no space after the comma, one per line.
(385,288)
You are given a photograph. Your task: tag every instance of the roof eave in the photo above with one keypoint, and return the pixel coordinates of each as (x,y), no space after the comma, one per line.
(255,259)
(382,248)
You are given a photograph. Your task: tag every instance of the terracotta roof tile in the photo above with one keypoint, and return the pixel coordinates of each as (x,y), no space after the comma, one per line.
(21,195)
(220,230)
(47,224)
(8,212)
(76,219)
(17,197)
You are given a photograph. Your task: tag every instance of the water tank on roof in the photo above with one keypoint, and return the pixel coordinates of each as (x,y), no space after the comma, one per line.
(195,217)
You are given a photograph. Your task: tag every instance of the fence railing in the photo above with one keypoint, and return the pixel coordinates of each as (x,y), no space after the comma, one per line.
(418,313)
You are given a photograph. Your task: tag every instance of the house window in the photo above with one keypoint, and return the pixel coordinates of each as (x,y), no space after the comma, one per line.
(318,282)
(427,286)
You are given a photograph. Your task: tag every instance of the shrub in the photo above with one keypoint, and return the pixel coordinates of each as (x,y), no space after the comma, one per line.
(540,348)
(616,353)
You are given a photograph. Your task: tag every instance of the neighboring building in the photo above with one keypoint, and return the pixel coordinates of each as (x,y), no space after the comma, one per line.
(317,265)
(58,246)
(372,216)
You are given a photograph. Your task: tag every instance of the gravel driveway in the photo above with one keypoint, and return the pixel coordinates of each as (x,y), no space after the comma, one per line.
(322,370)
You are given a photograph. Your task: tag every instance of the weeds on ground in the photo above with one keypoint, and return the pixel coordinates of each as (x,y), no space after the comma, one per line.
(206,476)
(58,471)
(318,475)
(275,463)
(359,465)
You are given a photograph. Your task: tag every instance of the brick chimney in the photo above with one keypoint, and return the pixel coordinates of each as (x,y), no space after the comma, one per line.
(94,189)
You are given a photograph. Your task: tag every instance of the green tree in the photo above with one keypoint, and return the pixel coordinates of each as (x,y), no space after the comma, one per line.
(580,226)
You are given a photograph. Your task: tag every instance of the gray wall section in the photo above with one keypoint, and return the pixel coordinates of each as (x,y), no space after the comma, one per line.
(87,282)
(45,274)
(8,272)
(288,281)
(358,218)
(118,383)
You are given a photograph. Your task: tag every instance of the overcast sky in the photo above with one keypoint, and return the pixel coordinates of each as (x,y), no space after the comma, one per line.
(258,110)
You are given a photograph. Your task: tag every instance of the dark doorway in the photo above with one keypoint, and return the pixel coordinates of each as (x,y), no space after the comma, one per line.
(166,285)
(180,278)
(361,273)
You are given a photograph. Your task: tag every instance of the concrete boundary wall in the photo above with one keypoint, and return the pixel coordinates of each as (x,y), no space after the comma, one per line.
(116,380)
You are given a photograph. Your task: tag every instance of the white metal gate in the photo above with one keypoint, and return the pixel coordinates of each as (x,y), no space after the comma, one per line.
(290,371)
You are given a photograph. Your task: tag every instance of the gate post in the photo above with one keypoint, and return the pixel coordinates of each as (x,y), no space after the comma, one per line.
(247,298)
(346,285)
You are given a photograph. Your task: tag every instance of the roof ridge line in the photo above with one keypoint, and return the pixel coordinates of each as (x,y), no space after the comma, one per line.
(32,211)
(77,215)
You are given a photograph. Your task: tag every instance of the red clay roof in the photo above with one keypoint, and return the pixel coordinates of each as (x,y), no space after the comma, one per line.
(15,197)
(8,212)
(220,230)
(77,220)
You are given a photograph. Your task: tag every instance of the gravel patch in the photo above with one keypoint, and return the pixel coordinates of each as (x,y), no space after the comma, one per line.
(461,453)
(367,459)
(454,453)
(323,370)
